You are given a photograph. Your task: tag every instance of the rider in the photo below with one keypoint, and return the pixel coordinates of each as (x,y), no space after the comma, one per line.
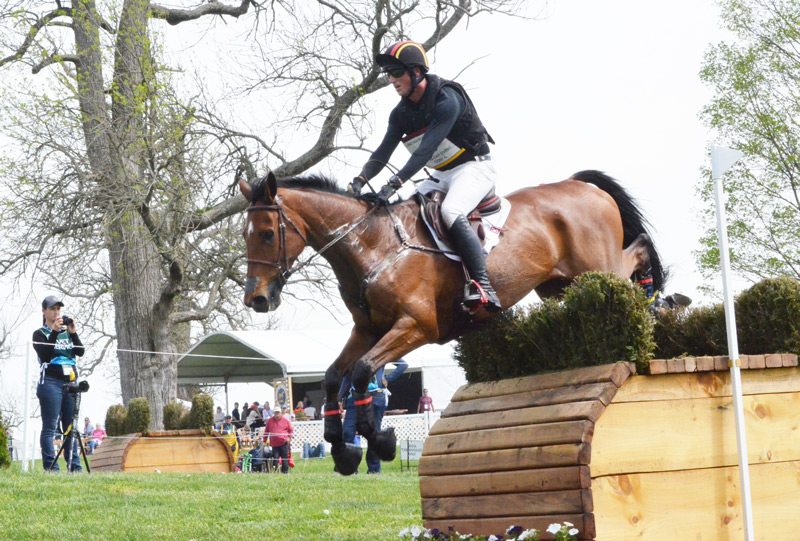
(439,125)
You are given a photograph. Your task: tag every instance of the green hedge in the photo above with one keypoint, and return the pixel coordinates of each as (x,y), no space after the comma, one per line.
(174,412)
(767,321)
(5,458)
(602,319)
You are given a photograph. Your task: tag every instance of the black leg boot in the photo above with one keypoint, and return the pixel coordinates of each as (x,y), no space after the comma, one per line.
(381,442)
(346,456)
(469,248)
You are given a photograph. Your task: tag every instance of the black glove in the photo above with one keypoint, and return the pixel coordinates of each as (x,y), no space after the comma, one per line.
(395,182)
(356,186)
(384,195)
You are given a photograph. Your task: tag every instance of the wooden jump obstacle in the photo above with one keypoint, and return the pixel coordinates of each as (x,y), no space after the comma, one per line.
(189,451)
(619,455)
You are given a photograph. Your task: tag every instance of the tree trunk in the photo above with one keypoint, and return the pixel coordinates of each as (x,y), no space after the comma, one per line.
(139,318)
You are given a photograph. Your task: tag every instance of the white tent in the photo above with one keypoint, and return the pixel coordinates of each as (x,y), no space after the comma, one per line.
(264,356)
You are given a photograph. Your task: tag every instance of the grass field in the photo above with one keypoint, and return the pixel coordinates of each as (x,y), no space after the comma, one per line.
(311,502)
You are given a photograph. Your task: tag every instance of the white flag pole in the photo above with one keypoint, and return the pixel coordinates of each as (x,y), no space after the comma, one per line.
(26,408)
(721,160)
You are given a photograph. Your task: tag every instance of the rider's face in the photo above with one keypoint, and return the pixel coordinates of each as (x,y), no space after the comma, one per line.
(402,85)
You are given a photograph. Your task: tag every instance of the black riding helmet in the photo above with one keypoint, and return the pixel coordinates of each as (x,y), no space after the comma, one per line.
(405,55)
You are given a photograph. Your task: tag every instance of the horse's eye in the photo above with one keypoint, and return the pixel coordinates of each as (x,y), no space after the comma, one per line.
(268,235)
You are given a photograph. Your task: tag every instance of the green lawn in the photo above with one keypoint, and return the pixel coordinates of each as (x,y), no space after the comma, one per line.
(246,507)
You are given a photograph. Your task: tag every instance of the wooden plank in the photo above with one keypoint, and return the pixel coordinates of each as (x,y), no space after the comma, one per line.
(694,433)
(538,480)
(499,526)
(616,373)
(706,384)
(507,459)
(698,504)
(561,395)
(499,505)
(218,467)
(572,411)
(511,437)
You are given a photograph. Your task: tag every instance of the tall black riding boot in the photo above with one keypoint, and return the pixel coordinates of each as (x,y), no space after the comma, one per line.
(469,248)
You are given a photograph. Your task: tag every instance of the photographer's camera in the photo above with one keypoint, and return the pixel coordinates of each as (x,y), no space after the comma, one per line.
(75,387)
(67,320)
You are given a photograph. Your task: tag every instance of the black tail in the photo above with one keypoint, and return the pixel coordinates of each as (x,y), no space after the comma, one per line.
(633,222)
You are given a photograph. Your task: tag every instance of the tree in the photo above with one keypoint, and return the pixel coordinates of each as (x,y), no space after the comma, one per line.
(117,193)
(756,108)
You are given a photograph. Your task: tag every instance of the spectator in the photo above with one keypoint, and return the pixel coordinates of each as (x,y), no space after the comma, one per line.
(376,387)
(316,451)
(88,428)
(306,401)
(254,419)
(279,433)
(425,402)
(311,412)
(98,435)
(10,441)
(235,412)
(57,345)
(219,418)
(299,411)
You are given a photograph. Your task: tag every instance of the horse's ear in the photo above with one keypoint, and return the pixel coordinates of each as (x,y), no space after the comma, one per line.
(246,189)
(272,186)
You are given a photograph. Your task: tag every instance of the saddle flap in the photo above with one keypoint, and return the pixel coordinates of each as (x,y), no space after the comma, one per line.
(431,207)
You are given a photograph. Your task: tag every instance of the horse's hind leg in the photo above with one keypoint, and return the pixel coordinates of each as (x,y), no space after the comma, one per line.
(636,257)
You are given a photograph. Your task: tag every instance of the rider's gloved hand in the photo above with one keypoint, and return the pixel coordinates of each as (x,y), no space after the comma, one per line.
(356,186)
(384,195)
(395,182)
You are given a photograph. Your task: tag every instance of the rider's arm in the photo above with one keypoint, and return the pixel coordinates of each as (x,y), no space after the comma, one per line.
(378,160)
(401,366)
(449,106)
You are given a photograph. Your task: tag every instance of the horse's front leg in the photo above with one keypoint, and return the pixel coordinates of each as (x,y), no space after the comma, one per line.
(346,456)
(403,338)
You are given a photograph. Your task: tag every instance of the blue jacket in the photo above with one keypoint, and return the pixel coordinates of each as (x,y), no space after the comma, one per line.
(375,383)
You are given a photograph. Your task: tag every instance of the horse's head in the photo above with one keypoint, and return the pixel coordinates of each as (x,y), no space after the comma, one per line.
(272,247)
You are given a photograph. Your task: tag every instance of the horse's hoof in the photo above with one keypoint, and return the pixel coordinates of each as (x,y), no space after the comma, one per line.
(384,444)
(346,458)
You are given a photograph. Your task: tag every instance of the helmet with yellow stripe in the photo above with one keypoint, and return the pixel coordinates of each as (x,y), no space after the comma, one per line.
(403,54)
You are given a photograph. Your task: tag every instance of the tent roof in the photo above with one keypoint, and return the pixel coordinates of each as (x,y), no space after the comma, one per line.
(261,356)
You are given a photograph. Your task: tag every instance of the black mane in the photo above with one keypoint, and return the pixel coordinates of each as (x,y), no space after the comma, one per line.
(318,183)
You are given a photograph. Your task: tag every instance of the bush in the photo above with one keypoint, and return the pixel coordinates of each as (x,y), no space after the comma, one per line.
(174,412)
(602,319)
(5,458)
(138,417)
(115,420)
(202,413)
(691,331)
(768,317)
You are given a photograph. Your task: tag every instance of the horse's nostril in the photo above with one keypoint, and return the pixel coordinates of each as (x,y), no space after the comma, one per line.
(259,300)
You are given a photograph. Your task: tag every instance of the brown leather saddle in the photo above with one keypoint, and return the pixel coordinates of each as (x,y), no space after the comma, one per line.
(431,207)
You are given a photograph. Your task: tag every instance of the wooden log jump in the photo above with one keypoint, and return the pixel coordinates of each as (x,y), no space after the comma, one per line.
(619,455)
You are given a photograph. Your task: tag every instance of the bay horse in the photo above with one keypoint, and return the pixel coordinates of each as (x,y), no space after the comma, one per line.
(402,293)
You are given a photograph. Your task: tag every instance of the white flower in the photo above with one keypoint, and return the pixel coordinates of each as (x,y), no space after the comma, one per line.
(573,531)
(568,524)
(326,511)
(526,534)
(492,538)
(554,528)
(415,531)
(404,532)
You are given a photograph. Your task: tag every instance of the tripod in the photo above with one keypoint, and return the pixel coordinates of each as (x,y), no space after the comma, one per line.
(71,433)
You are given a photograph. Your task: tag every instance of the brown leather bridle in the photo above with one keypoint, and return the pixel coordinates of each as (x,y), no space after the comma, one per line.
(282,261)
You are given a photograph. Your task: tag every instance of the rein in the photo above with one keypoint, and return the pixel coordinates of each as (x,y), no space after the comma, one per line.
(283,265)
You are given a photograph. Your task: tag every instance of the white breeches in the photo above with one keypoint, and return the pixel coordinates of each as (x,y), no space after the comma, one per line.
(465,185)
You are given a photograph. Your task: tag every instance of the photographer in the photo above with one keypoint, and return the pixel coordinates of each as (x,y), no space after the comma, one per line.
(56,344)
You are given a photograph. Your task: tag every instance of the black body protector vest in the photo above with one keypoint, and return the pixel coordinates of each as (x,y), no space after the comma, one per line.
(468,137)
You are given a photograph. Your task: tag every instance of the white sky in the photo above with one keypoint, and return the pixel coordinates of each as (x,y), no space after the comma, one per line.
(607,85)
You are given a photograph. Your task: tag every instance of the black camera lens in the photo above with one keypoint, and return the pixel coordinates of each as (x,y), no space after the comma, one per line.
(67,320)
(76,387)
